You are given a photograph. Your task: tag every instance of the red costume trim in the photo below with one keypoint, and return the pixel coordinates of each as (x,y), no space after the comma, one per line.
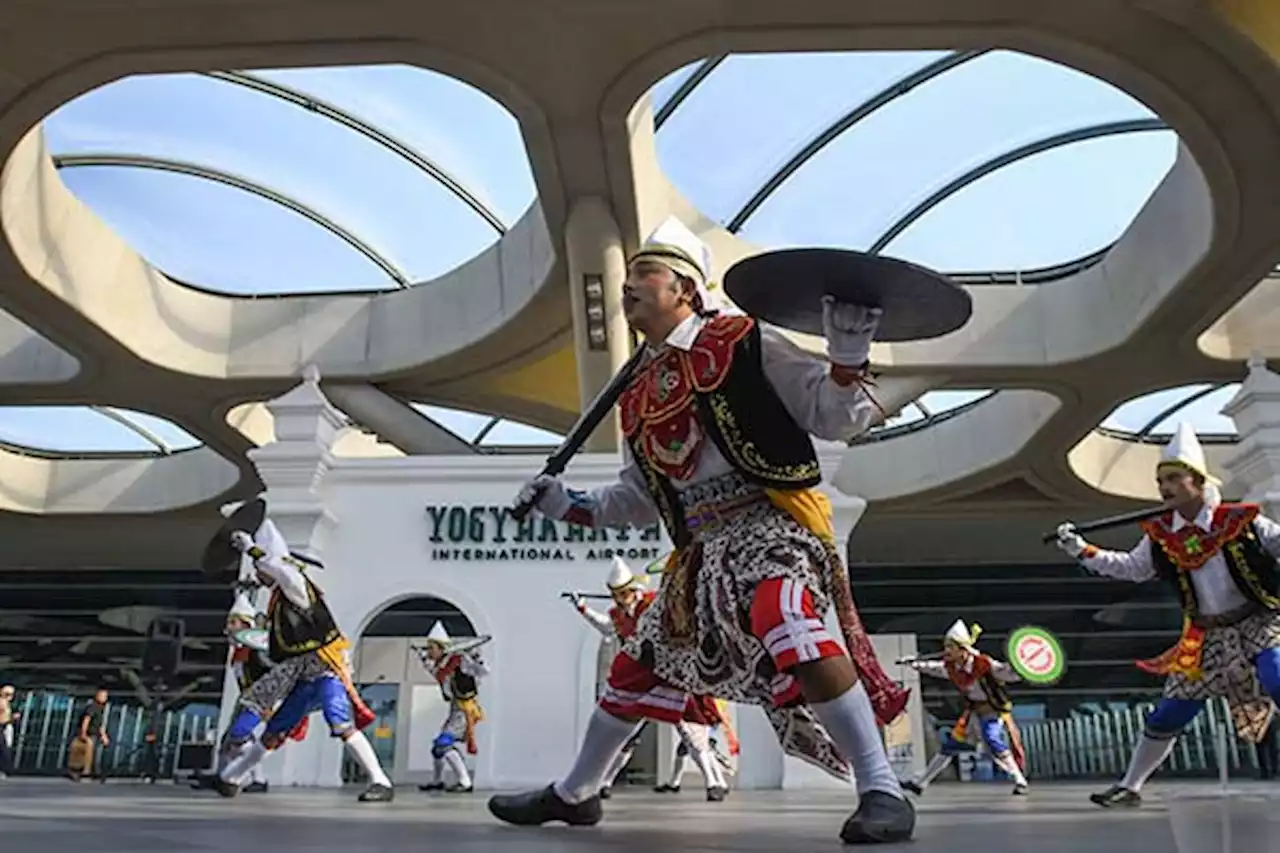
(624,624)
(658,407)
(1189,547)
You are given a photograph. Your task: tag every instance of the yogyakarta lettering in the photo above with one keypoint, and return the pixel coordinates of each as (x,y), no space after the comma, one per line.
(501,537)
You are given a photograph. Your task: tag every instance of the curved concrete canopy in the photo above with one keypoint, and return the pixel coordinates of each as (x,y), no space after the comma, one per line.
(1126,326)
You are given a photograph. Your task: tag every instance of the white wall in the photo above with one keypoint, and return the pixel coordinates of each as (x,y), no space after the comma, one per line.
(379,550)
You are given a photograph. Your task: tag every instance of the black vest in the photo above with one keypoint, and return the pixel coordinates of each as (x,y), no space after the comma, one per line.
(295,631)
(254,667)
(1255,572)
(461,685)
(752,429)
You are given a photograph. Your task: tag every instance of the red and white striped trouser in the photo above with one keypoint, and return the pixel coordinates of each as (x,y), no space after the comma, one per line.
(783,618)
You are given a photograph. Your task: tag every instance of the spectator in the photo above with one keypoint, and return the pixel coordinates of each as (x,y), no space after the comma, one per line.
(8,719)
(1268,750)
(92,729)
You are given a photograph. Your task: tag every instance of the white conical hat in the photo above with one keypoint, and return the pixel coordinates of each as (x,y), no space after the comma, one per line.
(674,245)
(1184,451)
(243,607)
(959,634)
(620,576)
(439,635)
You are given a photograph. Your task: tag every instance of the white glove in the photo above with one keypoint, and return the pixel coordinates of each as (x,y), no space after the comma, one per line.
(241,541)
(547,494)
(849,329)
(1070,541)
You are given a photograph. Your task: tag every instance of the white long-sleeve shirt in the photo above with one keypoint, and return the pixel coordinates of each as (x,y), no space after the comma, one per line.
(1216,591)
(276,564)
(938,669)
(819,405)
(600,621)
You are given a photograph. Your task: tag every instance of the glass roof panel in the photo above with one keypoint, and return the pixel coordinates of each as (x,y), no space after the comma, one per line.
(247,245)
(81,429)
(395,206)
(856,187)
(1160,412)
(756,110)
(1000,221)
(482,431)
(665,88)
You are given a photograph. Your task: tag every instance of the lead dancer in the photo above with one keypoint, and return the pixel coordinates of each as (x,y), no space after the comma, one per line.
(310,671)
(1221,558)
(630,601)
(458,674)
(717,425)
(980,679)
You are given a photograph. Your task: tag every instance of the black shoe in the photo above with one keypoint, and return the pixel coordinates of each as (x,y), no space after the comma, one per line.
(378,794)
(666,789)
(913,788)
(1116,795)
(534,808)
(225,788)
(717,795)
(606,793)
(254,788)
(880,819)
(459,789)
(433,786)
(1021,790)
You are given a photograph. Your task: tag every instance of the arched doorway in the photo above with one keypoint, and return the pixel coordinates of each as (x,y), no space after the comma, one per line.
(398,688)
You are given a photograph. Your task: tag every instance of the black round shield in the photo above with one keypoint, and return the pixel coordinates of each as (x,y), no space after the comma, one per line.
(786,287)
(220,559)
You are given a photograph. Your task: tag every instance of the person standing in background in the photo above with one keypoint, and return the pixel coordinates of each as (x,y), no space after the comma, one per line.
(8,721)
(93,727)
(1268,750)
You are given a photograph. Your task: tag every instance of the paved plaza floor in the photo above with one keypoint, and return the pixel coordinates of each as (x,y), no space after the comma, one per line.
(48,816)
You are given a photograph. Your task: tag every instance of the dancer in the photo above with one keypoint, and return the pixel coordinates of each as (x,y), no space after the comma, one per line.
(717,424)
(630,600)
(310,672)
(721,763)
(458,674)
(248,664)
(980,679)
(1220,558)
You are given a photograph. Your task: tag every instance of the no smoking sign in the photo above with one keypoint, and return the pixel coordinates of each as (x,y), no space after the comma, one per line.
(1036,655)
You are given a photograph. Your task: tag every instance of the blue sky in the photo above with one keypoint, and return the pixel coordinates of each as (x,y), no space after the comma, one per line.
(749,117)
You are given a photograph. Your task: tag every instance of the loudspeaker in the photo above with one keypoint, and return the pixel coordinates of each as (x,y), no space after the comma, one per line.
(163,652)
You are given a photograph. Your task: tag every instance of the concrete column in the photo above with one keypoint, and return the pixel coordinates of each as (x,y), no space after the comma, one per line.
(596,259)
(1254,468)
(293,467)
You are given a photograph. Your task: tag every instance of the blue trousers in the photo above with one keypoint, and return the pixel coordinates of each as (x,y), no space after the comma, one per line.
(993,735)
(1171,716)
(325,694)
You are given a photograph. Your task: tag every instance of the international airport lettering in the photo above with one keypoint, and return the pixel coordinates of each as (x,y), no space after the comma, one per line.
(474,533)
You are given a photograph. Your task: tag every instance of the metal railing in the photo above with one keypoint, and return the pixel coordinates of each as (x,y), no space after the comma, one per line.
(1089,746)
(48,721)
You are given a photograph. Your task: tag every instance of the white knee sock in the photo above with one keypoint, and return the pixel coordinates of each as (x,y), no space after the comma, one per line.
(362,751)
(257,775)
(851,723)
(249,757)
(439,768)
(937,764)
(1006,763)
(459,767)
(606,735)
(1149,754)
(677,770)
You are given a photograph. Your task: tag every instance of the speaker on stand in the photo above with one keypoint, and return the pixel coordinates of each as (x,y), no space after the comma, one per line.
(162,655)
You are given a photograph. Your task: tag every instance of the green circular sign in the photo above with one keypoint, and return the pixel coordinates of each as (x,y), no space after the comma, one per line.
(1036,655)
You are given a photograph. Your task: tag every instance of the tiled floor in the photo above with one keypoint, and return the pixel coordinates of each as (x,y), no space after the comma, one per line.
(47,816)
